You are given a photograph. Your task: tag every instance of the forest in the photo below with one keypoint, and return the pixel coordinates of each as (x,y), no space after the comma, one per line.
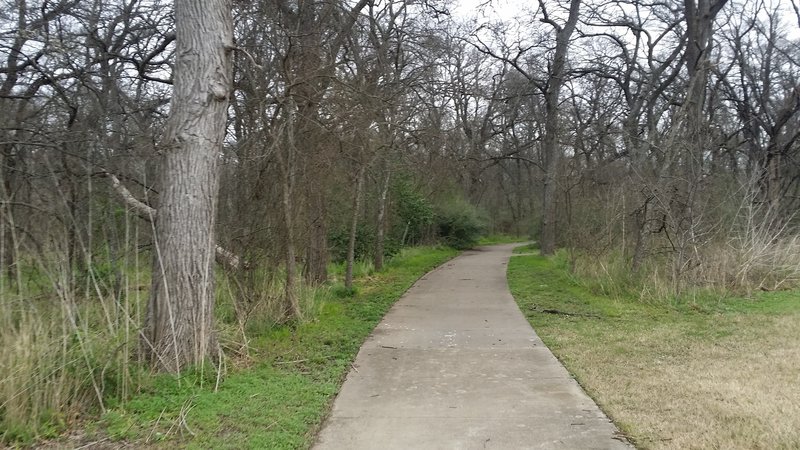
(179,177)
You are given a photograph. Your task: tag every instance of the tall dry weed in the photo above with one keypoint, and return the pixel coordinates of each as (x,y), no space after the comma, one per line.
(738,249)
(67,344)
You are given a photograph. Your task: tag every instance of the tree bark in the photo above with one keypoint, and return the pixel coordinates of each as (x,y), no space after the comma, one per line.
(291,307)
(550,148)
(180,318)
(351,245)
(8,254)
(380,234)
(317,252)
(642,235)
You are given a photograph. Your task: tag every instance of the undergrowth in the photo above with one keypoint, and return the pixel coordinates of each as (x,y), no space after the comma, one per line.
(280,392)
(69,354)
(68,347)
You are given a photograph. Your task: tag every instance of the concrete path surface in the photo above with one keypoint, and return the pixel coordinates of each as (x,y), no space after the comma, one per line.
(455,365)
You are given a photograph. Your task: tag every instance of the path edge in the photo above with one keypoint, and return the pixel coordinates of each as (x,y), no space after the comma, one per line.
(315,431)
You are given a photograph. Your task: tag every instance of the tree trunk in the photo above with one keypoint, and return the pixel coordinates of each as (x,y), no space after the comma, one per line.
(8,255)
(317,252)
(642,235)
(9,243)
(180,317)
(547,241)
(770,180)
(380,233)
(550,148)
(351,245)
(291,305)
(74,247)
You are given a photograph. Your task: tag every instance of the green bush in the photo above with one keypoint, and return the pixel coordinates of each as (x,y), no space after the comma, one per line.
(339,239)
(413,212)
(459,224)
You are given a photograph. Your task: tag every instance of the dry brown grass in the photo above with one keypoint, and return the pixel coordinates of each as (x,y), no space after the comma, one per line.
(716,374)
(64,352)
(669,390)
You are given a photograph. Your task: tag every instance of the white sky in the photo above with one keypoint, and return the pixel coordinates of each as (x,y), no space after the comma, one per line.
(496,9)
(509,10)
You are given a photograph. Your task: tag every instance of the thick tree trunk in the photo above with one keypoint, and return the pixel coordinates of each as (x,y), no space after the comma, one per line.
(690,136)
(291,307)
(7,232)
(9,245)
(380,234)
(351,245)
(550,148)
(547,241)
(180,317)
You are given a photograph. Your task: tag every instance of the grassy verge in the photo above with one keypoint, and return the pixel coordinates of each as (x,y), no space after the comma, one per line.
(527,248)
(279,399)
(705,373)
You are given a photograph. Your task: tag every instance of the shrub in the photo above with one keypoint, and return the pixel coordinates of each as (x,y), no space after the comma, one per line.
(339,239)
(413,211)
(459,224)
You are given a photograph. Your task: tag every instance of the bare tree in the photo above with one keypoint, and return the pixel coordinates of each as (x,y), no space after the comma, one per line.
(762,82)
(550,146)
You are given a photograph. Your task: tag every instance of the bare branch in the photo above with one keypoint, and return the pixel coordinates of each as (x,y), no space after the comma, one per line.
(227,258)
(142,209)
(223,256)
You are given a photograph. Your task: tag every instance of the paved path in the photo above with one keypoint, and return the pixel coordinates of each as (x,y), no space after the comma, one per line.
(455,365)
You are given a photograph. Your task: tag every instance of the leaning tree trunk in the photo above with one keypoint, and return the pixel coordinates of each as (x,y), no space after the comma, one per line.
(180,317)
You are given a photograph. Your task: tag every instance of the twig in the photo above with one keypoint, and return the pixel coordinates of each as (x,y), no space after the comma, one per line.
(152,430)
(249,56)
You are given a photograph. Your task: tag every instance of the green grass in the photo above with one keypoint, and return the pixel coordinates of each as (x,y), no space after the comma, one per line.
(692,372)
(361,268)
(282,395)
(527,248)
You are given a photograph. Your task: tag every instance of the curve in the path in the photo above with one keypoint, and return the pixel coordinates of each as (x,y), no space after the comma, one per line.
(455,365)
